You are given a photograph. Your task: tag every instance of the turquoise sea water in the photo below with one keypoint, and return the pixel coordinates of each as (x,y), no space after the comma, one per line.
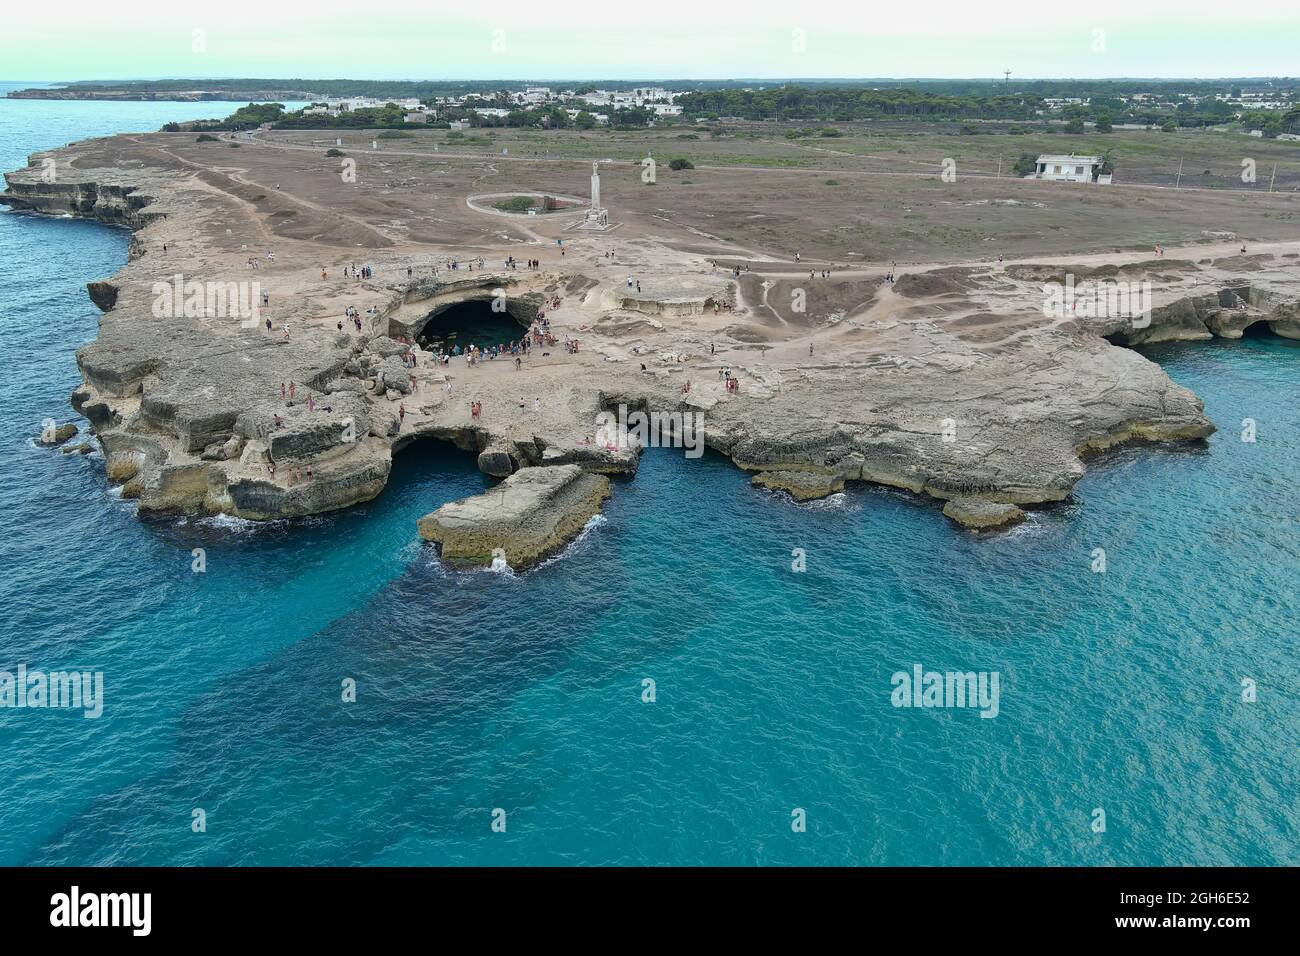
(1119,690)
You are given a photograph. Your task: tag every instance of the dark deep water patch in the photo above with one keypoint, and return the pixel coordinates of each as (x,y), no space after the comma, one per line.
(471,323)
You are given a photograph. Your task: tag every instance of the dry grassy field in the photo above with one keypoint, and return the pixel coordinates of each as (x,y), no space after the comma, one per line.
(873,194)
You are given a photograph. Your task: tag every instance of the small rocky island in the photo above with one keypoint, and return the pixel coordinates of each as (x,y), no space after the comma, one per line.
(951,381)
(526,517)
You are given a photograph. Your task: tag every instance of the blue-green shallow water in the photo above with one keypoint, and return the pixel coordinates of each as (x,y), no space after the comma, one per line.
(1118,690)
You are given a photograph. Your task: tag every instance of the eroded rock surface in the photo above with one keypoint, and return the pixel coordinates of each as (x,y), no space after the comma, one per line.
(531,514)
(953,382)
(979,514)
(800,485)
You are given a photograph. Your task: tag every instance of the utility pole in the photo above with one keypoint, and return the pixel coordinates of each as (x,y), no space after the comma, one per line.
(1179,180)
(999,176)
(1273,177)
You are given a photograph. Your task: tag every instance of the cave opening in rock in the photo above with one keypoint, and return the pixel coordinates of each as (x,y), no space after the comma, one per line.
(1259,329)
(470,323)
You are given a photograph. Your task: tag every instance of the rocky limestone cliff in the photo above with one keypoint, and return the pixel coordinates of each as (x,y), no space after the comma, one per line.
(962,392)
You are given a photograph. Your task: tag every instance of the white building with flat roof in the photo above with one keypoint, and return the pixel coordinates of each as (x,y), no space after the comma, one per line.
(1068,168)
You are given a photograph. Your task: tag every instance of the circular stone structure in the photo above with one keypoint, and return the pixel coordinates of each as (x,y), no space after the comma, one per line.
(486,202)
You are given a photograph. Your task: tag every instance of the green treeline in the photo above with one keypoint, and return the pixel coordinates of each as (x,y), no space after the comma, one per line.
(848,103)
(1105,109)
(1178,106)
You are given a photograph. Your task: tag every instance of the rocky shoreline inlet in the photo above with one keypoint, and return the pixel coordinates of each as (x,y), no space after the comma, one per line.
(952,381)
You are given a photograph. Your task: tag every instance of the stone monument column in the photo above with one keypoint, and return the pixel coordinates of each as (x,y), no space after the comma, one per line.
(595,188)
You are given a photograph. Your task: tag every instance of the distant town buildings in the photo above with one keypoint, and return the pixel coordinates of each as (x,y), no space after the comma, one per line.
(533,96)
(600,118)
(654,99)
(351,103)
(1236,102)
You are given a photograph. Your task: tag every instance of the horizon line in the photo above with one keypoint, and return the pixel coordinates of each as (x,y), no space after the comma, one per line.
(658,79)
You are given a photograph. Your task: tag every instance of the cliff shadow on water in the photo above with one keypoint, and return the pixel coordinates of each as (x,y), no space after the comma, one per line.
(426,473)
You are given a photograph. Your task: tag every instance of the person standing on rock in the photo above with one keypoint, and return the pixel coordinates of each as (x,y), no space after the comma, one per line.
(537,404)
(401,414)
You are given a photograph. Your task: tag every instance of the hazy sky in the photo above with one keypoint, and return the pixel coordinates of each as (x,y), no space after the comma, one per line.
(510,39)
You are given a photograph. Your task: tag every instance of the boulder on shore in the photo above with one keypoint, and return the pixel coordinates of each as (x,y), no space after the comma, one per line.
(529,515)
(978,514)
(59,434)
(800,485)
(495,461)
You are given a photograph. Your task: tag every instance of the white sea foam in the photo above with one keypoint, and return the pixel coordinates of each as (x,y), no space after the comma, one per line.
(225,522)
(1032,526)
(595,521)
(840,501)
(499,566)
